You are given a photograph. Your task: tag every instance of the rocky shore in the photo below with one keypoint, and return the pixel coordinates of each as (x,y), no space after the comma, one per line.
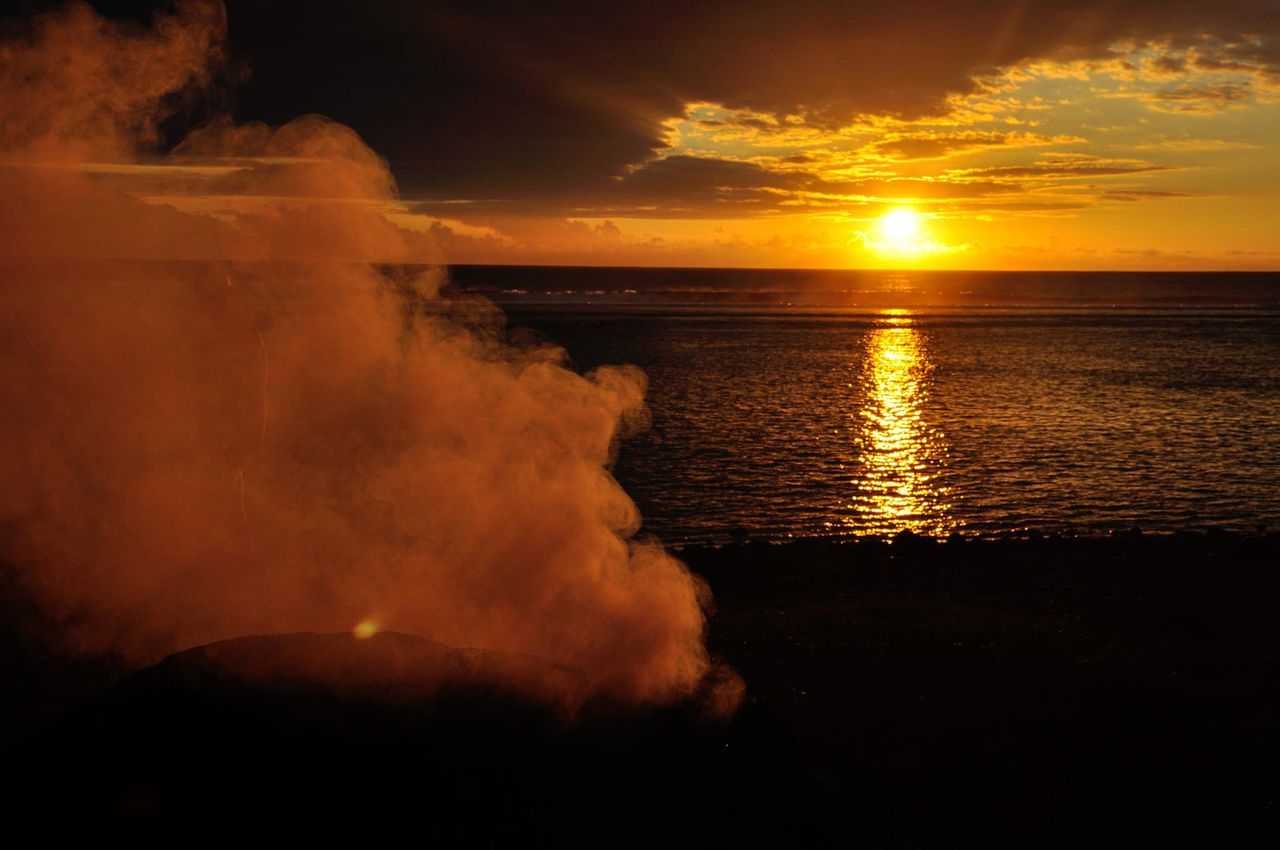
(1039,692)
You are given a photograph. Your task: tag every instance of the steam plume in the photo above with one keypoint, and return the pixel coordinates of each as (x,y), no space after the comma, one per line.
(220,417)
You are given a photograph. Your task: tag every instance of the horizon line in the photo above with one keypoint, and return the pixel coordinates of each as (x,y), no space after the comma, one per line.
(1275,271)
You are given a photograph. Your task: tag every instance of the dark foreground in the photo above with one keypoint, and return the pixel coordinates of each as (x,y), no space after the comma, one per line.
(1117,692)
(1042,693)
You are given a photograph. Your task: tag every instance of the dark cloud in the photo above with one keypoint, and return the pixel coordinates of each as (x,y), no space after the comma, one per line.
(1083,166)
(671,187)
(1193,98)
(502,99)
(1140,195)
(1170,64)
(702,187)
(937,145)
(700,181)
(674,171)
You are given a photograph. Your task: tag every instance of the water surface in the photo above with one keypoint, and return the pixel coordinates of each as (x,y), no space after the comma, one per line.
(783,423)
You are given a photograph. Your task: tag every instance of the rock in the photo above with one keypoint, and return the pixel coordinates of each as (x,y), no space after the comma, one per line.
(325,738)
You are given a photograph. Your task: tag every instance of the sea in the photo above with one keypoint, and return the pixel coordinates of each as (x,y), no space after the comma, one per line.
(818,404)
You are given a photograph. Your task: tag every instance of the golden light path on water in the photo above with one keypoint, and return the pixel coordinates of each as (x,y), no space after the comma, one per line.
(901,453)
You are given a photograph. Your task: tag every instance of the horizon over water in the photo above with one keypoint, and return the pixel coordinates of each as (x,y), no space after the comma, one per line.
(981,403)
(604,286)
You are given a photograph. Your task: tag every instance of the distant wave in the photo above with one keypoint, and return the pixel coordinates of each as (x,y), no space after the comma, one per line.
(875,289)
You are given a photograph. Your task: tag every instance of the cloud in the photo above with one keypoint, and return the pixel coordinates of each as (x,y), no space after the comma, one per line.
(491,112)
(1139,194)
(1194,144)
(503,99)
(702,178)
(935,145)
(1064,167)
(1193,98)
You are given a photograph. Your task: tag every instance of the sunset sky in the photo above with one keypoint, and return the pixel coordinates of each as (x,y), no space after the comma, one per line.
(1054,134)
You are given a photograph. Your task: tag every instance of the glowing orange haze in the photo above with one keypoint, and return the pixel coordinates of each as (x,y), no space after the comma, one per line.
(205,449)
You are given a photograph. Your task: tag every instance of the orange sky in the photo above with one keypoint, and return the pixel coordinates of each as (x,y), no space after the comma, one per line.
(1001,134)
(1136,161)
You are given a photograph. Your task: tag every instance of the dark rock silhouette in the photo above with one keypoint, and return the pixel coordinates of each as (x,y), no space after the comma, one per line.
(1015,692)
(323,737)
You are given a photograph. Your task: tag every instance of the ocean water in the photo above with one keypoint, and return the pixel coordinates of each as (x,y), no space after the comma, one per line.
(668,289)
(793,421)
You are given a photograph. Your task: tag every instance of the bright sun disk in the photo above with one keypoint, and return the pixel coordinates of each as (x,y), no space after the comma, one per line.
(900,226)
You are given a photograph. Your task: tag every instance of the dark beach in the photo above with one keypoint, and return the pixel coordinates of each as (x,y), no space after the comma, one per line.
(972,693)
(1050,692)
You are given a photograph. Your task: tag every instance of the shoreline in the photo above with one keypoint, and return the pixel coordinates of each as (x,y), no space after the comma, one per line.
(1047,692)
(1035,693)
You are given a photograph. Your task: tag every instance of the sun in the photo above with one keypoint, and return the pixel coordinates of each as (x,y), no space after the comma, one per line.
(899,227)
(901,235)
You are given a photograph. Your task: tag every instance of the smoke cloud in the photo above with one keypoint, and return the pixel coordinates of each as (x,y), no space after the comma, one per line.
(223,415)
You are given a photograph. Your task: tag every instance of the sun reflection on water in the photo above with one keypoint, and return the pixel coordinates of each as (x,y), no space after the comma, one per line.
(901,453)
